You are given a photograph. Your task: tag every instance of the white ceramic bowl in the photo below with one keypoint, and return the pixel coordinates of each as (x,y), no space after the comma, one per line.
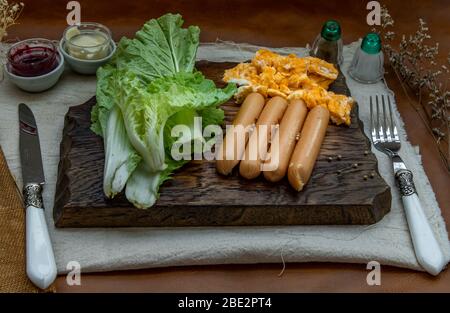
(88,67)
(37,83)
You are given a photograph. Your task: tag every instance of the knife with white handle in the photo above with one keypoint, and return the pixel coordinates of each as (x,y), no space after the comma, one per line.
(40,264)
(426,246)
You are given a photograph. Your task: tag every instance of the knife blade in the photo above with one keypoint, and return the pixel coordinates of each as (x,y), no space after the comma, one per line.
(30,149)
(40,263)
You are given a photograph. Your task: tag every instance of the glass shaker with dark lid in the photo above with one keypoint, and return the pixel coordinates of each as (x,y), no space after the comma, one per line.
(368,60)
(328,44)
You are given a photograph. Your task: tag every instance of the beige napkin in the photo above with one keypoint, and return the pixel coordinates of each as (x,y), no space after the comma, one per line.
(107,249)
(13,277)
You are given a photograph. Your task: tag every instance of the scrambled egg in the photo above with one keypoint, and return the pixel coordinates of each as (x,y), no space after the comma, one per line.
(291,77)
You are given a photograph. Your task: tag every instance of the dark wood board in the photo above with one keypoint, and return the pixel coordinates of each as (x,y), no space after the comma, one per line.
(337,192)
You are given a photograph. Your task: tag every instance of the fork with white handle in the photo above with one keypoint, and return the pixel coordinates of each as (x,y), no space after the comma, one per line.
(385,138)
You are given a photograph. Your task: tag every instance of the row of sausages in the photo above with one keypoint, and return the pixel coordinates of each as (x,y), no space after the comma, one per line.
(299,138)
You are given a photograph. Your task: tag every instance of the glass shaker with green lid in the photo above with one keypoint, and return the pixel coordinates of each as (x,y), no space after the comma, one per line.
(328,44)
(368,61)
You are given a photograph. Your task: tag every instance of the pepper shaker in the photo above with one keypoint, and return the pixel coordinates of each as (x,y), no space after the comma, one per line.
(367,64)
(328,44)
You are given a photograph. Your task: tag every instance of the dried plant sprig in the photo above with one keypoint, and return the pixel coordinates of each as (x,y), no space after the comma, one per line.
(9,13)
(414,61)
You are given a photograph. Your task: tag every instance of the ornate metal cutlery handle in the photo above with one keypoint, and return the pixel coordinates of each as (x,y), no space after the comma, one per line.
(32,194)
(405,182)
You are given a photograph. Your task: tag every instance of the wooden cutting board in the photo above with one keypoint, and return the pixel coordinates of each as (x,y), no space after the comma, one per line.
(337,192)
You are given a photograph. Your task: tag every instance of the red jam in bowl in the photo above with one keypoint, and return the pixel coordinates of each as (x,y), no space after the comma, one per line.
(32,57)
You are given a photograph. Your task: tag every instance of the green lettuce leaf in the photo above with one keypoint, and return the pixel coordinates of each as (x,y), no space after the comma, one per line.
(142,189)
(212,116)
(161,48)
(145,90)
(105,99)
(151,114)
(146,112)
(121,158)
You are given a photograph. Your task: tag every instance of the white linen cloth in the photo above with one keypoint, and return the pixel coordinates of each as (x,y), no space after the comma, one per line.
(387,242)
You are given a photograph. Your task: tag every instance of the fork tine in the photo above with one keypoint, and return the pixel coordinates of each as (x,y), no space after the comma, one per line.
(383,117)
(383,129)
(372,121)
(379,126)
(387,119)
(391,120)
(394,127)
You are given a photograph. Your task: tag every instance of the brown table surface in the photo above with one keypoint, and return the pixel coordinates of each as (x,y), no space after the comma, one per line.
(270,23)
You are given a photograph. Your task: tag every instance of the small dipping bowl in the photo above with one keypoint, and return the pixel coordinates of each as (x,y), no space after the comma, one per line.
(87,46)
(32,57)
(34,65)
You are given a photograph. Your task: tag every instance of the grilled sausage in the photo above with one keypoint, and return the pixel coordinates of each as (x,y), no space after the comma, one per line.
(308,147)
(258,143)
(283,145)
(232,148)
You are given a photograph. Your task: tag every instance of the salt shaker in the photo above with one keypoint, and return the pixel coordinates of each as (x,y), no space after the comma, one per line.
(367,63)
(328,44)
